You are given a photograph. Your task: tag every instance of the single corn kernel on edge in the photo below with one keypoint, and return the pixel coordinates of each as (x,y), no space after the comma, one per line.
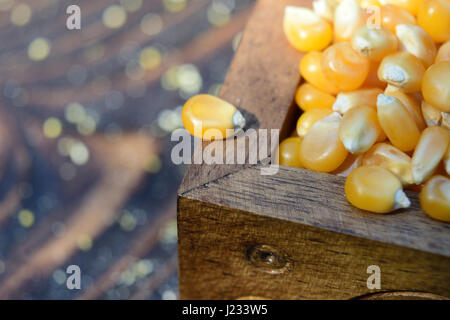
(209,118)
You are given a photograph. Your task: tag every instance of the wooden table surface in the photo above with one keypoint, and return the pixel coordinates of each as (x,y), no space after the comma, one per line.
(85,119)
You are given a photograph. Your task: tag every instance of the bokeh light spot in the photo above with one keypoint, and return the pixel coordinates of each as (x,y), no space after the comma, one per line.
(84,242)
(52,127)
(151,24)
(21,15)
(150,58)
(26,218)
(39,49)
(114,17)
(79,153)
(174,5)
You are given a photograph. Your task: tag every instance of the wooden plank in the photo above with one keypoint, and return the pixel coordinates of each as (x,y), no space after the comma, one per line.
(306,262)
(262,81)
(318,200)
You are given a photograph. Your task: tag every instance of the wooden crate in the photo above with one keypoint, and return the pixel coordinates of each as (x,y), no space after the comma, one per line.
(293,235)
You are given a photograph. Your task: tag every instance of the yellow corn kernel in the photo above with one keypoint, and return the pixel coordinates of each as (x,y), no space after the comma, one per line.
(289,152)
(359,129)
(350,163)
(430,150)
(321,149)
(325,8)
(410,102)
(403,70)
(390,158)
(363,97)
(443,53)
(305,30)
(436,85)
(373,43)
(344,67)
(392,15)
(397,123)
(375,189)
(372,80)
(348,17)
(308,118)
(434,17)
(412,6)
(309,97)
(435,198)
(431,114)
(205,116)
(447,161)
(416,41)
(311,70)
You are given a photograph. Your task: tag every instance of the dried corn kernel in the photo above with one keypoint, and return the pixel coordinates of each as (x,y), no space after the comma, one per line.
(311,70)
(410,102)
(321,149)
(392,15)
(309,97)
(434,17)
(397,123)
(348,17)
(308,118)
(403,70)
(344,67)
(305,30)
(416,41)
(412,6)
(436,85)
(289,152)
(373,43)
(390,158)
(350,163)
(325,8)
(431,114)
(429,152)
(435,198)
(204,112)
(375,189)
(359,129)
(348,100)
(443,53)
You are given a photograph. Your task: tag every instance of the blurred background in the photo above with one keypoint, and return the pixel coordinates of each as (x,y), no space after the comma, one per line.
(85,122)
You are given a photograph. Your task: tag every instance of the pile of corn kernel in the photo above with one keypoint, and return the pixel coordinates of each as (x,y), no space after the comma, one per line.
(375,100)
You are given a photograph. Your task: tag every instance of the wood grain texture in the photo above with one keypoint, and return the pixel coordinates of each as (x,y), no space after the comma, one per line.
(318,199)
(302,216)
(214,241)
